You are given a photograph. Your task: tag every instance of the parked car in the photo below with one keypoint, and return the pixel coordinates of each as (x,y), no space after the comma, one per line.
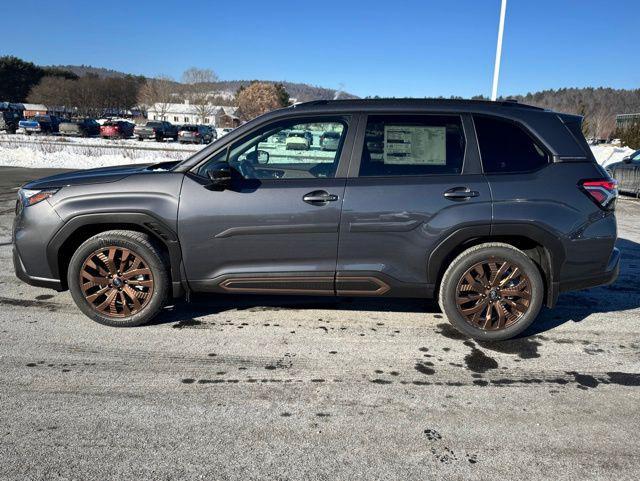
(9,120)
(226,130)
(627,173)
(297,140)
(280,137)
(309,136)
(80,128)
(156,130)
(116,129)
(492,232)
(197,134)
(330,141)
(40,124)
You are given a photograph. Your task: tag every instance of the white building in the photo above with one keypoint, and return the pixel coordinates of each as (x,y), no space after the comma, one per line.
(185,113)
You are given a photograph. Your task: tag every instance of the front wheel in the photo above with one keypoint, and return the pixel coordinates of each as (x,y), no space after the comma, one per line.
(491,292)
(119,278)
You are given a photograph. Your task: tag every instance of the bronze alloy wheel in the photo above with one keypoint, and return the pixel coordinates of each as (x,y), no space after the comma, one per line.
(116,282)
(493,294)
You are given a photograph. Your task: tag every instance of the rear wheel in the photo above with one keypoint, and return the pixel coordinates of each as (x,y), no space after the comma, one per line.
(119,278)
(492,291)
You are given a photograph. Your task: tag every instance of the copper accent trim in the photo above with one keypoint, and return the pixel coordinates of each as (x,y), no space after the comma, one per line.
(275,280)
(493,294)
(383,287)
(235,285)
(116,282)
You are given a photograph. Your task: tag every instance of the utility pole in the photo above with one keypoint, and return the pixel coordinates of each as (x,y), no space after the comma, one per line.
(496,68)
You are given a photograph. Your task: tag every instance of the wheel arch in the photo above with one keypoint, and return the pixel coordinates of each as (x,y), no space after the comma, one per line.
(79,228)
(544,248)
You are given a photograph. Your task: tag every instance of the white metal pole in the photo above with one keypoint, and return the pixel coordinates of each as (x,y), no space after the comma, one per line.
(496,68)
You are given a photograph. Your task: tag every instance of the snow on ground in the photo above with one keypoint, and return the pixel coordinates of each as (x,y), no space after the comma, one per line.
(81,153)
(607,154)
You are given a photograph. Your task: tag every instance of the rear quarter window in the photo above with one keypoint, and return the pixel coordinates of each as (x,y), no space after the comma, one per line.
(505,147)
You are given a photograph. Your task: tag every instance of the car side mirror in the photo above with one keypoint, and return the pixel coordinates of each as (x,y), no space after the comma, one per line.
(627,159)
(263,157)
(260,157)
(220,176)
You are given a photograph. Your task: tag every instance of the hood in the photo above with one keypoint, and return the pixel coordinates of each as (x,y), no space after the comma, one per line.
(96,176)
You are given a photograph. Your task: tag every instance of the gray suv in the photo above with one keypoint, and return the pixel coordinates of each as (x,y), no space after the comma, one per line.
(492,208)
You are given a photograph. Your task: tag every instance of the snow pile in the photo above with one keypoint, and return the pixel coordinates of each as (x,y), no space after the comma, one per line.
(86,154)
(607,154)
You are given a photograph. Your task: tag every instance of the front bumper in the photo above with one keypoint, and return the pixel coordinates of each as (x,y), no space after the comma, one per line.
(21,273)
(606,277)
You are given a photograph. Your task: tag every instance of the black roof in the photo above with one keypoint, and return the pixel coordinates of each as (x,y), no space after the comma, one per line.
(412,104)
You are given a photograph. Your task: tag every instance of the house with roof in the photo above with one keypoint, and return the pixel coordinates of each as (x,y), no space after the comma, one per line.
(218,116)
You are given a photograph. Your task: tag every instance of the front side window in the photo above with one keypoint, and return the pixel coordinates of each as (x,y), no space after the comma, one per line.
(506,148)
(412,146)
(287,150)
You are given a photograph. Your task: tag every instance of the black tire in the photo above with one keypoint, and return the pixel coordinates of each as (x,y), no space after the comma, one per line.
(482,253)
(141,245)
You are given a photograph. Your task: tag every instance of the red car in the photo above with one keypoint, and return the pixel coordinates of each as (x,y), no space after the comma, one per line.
(116,129)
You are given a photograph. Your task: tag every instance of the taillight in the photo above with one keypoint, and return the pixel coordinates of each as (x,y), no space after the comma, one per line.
(603,192)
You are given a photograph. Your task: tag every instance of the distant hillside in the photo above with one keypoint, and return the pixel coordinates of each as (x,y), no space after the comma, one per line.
(226,88)
(598,105)
(82,70)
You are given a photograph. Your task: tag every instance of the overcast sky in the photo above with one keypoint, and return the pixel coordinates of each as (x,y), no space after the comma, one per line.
(387,48)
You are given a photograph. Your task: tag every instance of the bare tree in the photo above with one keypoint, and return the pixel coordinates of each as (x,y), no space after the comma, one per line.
(603,122)
(198,90)
(156,93)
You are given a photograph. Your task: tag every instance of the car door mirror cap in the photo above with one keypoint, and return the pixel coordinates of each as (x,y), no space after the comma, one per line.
(220,176)
(627,159)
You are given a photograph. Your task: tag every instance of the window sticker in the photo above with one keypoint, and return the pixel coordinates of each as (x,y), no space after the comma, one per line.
(417,145)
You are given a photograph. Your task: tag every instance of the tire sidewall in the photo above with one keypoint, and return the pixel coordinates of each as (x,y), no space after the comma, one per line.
(151,259)
(465,261)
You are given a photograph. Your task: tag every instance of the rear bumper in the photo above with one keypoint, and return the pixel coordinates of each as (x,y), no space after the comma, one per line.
(145,135)
(21,273)
(608,276)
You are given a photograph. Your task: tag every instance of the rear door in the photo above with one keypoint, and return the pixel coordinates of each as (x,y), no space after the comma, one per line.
(276,229)
(414,181)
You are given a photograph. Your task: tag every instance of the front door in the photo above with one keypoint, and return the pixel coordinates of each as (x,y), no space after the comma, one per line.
(276,229)
(414,182)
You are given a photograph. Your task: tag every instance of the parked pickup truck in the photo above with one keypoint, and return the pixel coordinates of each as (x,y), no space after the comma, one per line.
(9,120)
(156,130)
(80,127)
(40,124)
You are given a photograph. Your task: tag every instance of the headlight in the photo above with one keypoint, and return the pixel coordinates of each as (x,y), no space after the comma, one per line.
(31,197)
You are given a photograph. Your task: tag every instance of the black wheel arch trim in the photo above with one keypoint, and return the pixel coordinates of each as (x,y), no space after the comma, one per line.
(158,228)
(536,233)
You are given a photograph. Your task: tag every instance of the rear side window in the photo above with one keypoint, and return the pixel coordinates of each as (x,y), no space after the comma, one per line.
(412,145)
(506,148)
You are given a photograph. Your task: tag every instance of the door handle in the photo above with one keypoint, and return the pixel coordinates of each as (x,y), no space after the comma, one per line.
(319,197)
(460,193)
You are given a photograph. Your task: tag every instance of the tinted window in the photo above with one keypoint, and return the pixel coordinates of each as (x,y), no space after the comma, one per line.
(505,147)
(412,145)
(269,154)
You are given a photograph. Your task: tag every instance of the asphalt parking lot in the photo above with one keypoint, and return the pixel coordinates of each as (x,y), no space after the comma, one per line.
(317,388)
